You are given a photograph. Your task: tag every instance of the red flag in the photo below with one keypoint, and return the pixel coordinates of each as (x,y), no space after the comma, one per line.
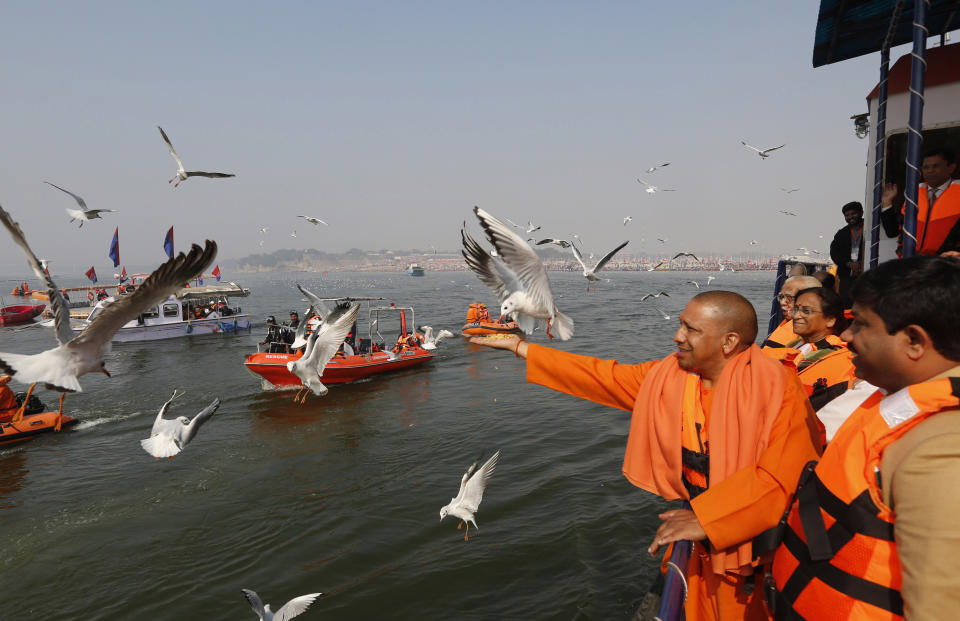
(92,274)
(216,272)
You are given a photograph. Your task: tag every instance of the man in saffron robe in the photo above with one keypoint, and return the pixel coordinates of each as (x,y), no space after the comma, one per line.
(716,422)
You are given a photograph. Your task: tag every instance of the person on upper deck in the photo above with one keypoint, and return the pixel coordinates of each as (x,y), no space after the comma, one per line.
(938,206)
(846,249)
(783,333)
(874,532)
(716,422)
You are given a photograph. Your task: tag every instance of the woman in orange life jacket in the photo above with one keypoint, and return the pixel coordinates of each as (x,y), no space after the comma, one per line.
(783,334)
(873,532)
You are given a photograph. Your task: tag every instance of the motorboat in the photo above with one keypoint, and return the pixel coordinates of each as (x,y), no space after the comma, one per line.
(15,315)
(415,269)
(359,358)
(35,421)
(203,309)
(480,323)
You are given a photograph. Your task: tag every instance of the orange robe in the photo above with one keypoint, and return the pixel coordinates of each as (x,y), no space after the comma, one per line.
(732,511)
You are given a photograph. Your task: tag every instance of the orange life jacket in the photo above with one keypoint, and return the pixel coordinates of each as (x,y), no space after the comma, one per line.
(933,225)
(694,454)
(781,336)
(838,558)
(827,377)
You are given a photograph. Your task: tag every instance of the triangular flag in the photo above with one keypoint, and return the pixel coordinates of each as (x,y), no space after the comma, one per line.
(168,243)
(216,272)
(92,274)
(123,274)
(115,248)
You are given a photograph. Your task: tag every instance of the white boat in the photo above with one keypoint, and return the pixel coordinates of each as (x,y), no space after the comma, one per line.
(193,310)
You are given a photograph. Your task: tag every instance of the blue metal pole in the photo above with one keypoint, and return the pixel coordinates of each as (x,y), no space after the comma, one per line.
(918,70)
(879,157)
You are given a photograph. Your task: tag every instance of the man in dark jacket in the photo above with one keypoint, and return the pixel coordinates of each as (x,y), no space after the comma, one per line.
(846,249)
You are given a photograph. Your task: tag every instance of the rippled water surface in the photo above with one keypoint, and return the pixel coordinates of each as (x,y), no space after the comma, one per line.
(342,495)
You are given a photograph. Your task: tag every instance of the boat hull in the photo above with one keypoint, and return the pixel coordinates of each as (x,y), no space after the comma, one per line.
(486,328)
(31,426)
(156,332)
(15,315)
(273,367)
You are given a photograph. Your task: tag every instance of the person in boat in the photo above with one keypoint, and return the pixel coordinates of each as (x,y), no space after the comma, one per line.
(884,483)
(276,338)
(846,249)
(717,423)
(294,322)
(938,205)
(783,333)
(8,401)
(102,294)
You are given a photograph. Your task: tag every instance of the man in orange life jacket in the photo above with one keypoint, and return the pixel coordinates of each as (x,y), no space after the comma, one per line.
(873,533)
(938,206)
(716,422)
(783,334)
(8,401)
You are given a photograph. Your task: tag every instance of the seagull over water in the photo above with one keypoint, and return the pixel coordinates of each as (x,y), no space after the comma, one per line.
(652,189)
(429,340)
(467,501)
(517,277)
(182,175)
(590,273)
(685,254)
(83,214)
(321,347)
(654,295)
(60,368)
(550,240)
(653,168)
(291,609)
(314,221)
(763,153)
(169,436)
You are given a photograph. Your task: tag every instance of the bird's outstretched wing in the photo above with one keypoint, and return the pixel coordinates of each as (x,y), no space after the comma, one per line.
(329,337)
(685,254)
(639,180)
(749,146)
(61,311)
(491,271)
(319,305)
(255,602)
(163,410)
(774,148)
(608,256)
(576,253)
(295,606)
(164,281)
(170,146)
(199,420)
(80,201)
(313,220)
(212,175)
(473,490)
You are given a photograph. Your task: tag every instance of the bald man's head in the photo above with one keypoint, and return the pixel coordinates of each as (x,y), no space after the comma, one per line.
(732,311)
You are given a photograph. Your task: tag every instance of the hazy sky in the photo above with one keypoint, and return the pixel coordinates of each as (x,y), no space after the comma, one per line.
(390,120)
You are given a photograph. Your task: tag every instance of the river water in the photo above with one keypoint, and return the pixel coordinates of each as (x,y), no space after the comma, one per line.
(342,495)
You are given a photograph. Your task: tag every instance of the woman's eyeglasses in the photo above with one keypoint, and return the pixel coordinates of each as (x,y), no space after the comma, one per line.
(805,311)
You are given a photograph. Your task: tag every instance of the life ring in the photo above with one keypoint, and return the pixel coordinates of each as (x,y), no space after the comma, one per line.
(90,296)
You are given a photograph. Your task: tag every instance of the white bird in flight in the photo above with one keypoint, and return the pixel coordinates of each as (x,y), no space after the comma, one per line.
(169,436)
(764,153)
(754,242)
(654,295)
(314,221)
(550,240)
(652,189)
(264,229)
(530,228)
(429,340)
(517,276)
(60,368)
(650,269)
(321,347)
(294,233)
(590,273)
(467,501)
(790,191)
(182,175)
(653,168)
(694,283)
(786,213)
(83,214)
(685,254)
(291,609)
(627,220)
(711,279)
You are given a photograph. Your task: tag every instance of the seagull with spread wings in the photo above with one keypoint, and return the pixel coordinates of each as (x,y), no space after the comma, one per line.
(590,273)
(550,240)
(517,276)
(60,368)
(182,175)
(654,295)
(317,306)
(763,153)
(83,214)
(652,189)
(653,168)
(786,213)
(321,347)
(314,221)
(791,191)
(685,254)
(169,436)
(627,220)
(291,609)
(430,340)
(467,501)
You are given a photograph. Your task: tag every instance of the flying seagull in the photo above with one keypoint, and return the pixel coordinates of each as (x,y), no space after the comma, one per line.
(693,282)
(294,233)
(650,269)
(321,347)
(550,240)
(264,229)
(764,153)
(317,307)
(517,277)
(754,242)
(169,436)
(529,228)
(653,168)
(83,214)
(786,213)
(711,279)
(465,505)
(662,240)
(182,175)
(685,254)
(652,189)
(654,295)
(429,340)
(790,191)
(590,273)
(314,221)
(61,367)
(288,611)
(626,220)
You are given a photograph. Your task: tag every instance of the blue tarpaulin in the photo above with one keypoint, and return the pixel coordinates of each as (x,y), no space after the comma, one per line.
(850,28)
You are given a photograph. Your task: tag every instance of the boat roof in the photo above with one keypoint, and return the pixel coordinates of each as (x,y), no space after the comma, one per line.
(230,289)
(851,28)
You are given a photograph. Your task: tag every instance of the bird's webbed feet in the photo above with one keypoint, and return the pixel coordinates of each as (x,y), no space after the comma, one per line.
(23,406)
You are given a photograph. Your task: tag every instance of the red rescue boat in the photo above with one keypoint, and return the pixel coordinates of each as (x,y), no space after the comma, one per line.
(480,323)
(15,315)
